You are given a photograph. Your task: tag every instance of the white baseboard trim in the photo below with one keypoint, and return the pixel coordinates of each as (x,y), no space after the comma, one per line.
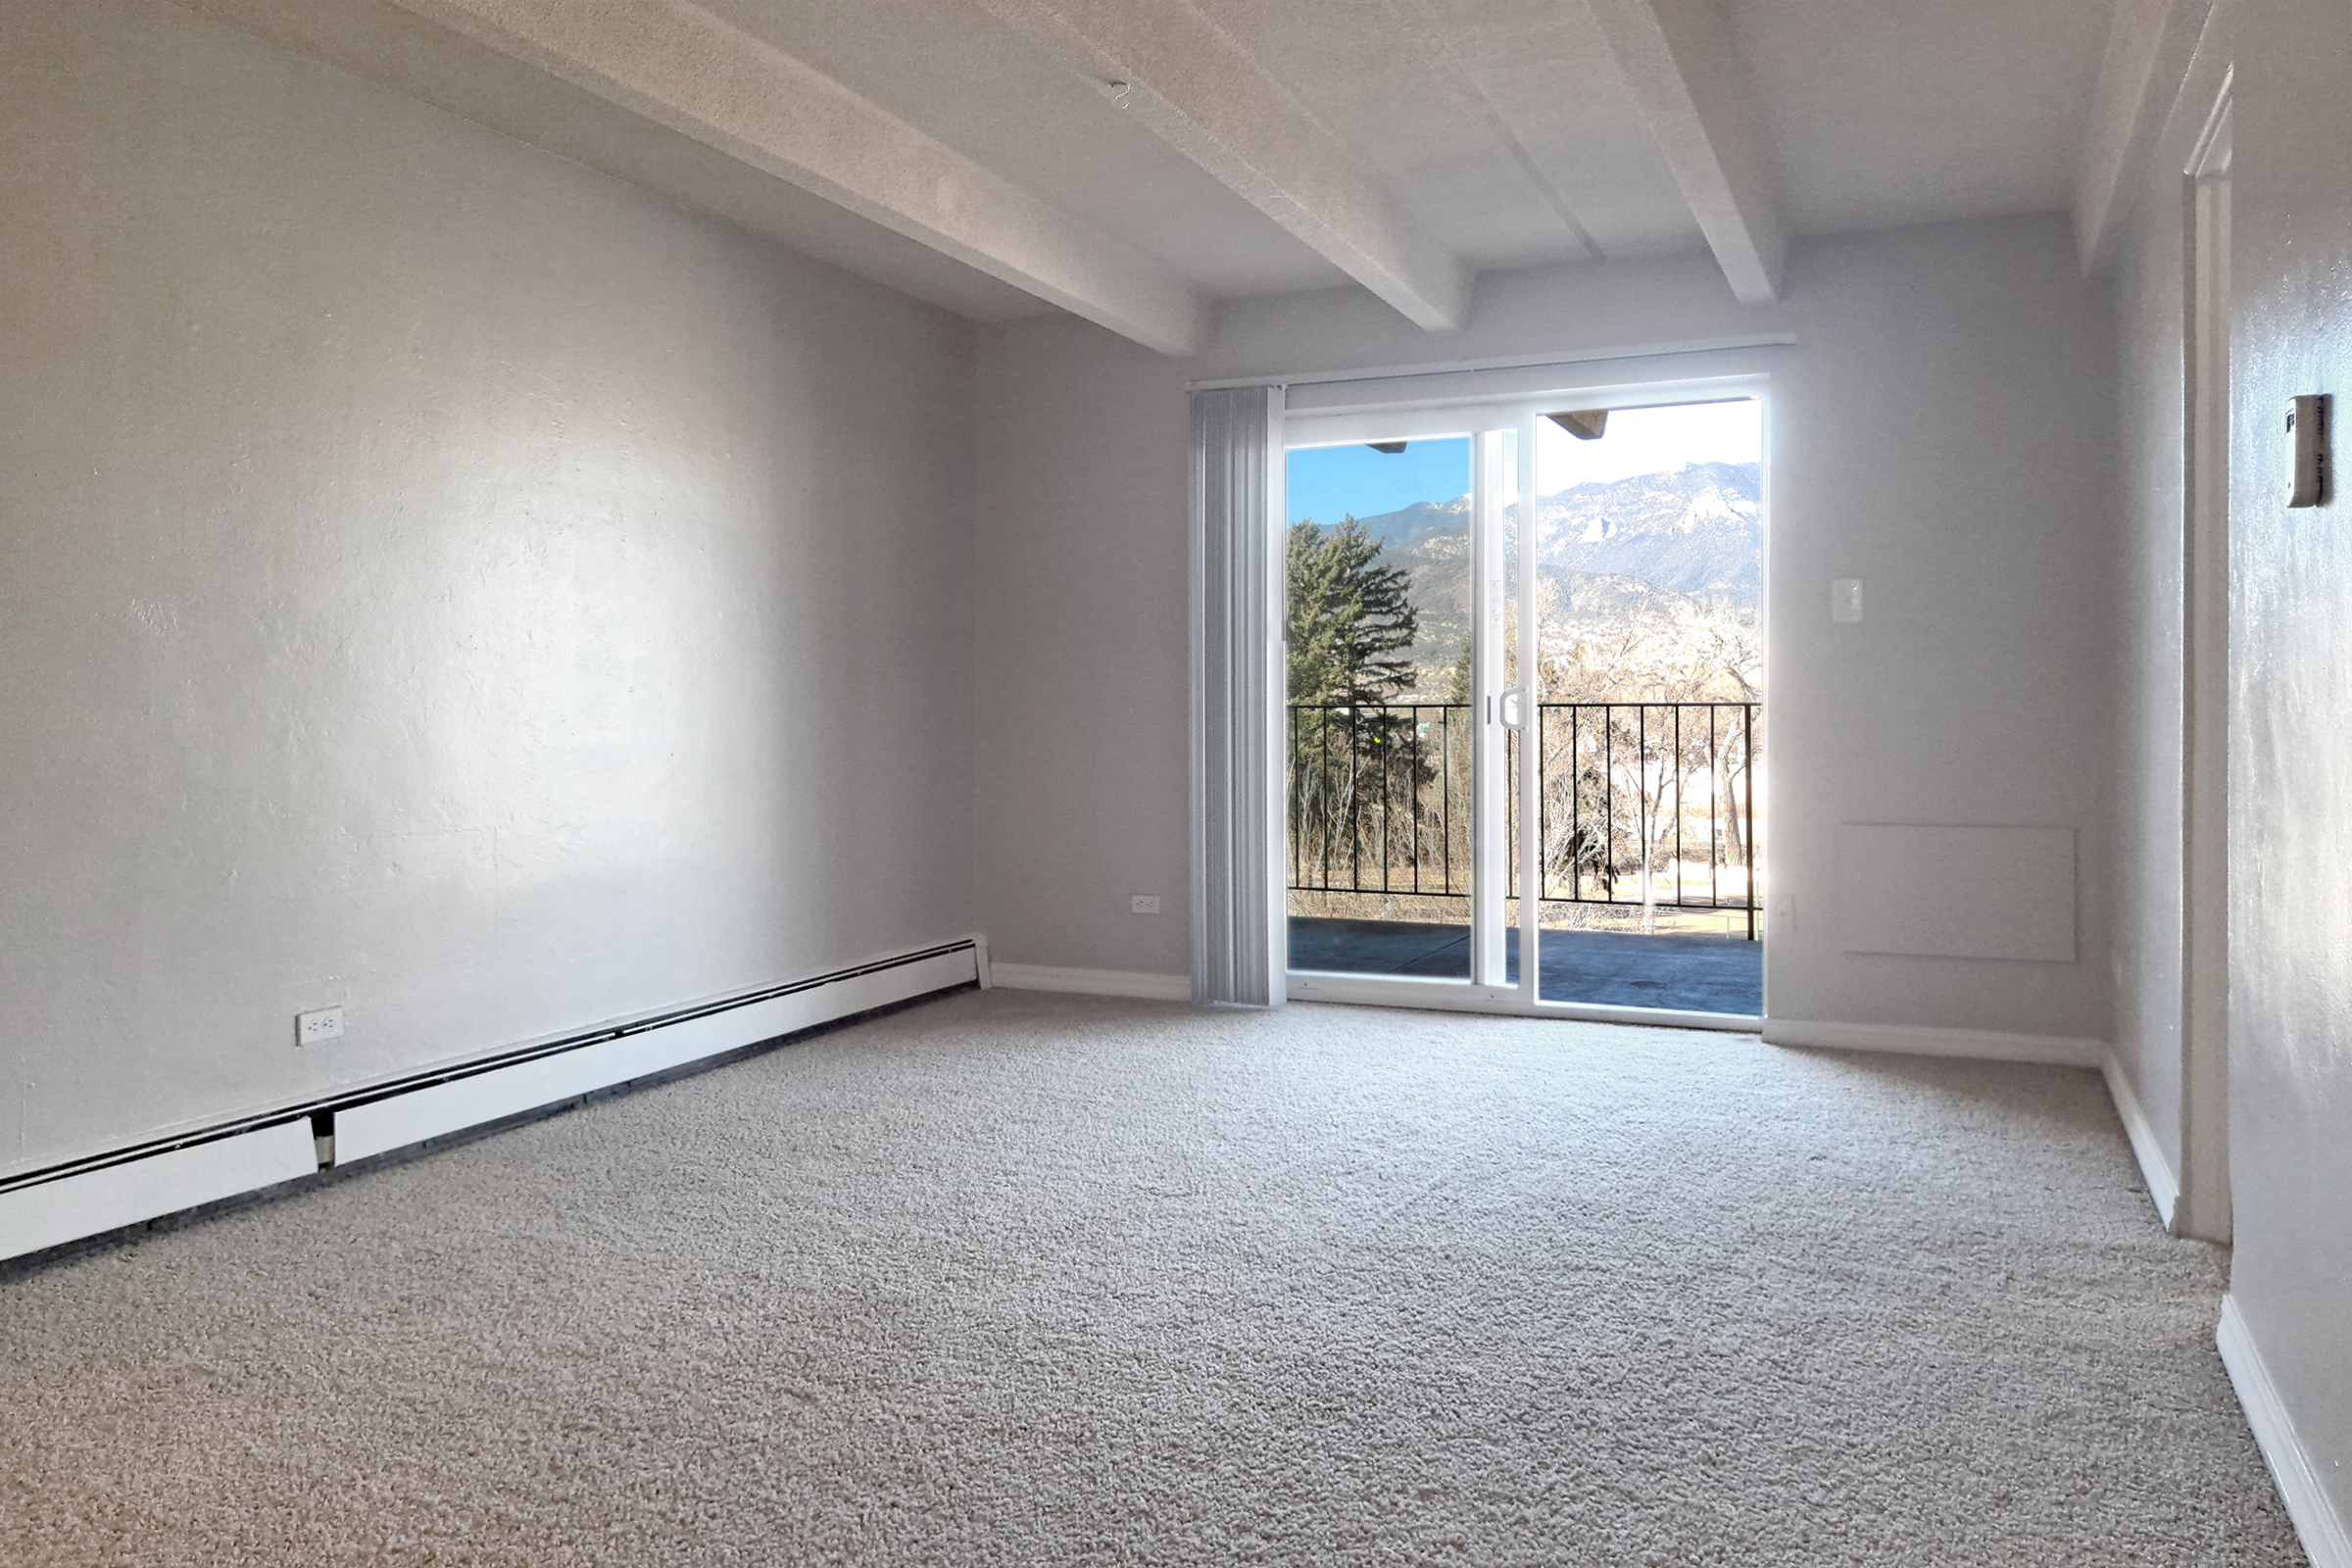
(2164,1188)
(1094,982)
(2325,1542)
(88,1197)
(1914,1040)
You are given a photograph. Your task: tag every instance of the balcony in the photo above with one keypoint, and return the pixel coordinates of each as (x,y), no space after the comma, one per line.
(1647,826)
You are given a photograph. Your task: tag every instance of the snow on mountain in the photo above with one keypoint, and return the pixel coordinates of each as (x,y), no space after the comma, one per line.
(1657,550)
(1698,529)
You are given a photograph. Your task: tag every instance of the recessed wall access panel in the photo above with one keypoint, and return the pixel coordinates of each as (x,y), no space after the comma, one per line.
(93,1201)
(1957,891)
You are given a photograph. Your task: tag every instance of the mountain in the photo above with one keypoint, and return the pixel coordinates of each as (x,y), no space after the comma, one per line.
(1673,549)
(1400,532)
(1698,529)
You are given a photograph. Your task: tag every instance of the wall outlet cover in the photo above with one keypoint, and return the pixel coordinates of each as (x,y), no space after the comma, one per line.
(1143,904)
(315,1028)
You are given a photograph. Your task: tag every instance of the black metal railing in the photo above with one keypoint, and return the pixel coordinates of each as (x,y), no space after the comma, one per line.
(1380,799)
(1642,804)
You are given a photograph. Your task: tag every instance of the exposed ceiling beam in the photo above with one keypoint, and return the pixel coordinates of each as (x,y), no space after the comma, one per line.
(2151,45)
(1199,91)
(683,68)
(1679,57)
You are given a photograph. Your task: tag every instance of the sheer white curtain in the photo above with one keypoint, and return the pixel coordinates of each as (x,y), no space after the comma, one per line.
(1237,677)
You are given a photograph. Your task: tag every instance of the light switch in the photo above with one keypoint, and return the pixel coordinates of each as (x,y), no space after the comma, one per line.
(1845,599)
(2306,451)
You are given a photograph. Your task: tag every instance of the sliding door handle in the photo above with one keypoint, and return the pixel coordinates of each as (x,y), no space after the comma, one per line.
(1514,709)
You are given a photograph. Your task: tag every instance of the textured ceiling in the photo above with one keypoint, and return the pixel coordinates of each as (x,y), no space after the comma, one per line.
(1504,127)
(1884,111)
(1483,133)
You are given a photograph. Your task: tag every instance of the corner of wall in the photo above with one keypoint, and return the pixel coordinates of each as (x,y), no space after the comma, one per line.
(2164,1187)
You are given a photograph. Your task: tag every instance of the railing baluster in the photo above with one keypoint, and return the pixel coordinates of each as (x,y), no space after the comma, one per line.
(1323,761)
(1714,800)
(1677,804)
(1747,797)
(1576,805)
(1445,793)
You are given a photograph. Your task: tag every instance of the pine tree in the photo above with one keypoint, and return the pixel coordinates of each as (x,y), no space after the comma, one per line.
(1348,616)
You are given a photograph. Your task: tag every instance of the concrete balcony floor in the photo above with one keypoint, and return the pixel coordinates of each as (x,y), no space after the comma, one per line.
(1690,973)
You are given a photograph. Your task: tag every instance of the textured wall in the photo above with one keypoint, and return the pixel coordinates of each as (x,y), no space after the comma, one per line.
(2290,806)
(434,578)
(1079,754)
(1943,433)
(1943,430)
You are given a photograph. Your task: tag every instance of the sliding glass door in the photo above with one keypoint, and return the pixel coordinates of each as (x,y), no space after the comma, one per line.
(1523,707)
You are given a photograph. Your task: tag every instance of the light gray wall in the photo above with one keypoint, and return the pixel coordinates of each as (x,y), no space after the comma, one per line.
(2290,806)
(1942,430)
(1079,748)
(434,578)
(2291,696)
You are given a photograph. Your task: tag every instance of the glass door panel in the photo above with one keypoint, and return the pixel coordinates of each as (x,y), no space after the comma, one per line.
(1380,739)
(1642,760)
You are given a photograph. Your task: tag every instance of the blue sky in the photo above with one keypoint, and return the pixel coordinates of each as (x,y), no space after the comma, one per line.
(1327,483)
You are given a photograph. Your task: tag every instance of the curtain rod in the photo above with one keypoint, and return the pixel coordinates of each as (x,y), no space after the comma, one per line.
(1515,361)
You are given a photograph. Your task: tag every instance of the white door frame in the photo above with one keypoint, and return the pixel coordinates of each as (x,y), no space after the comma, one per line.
(2202,1206)
(1486,423)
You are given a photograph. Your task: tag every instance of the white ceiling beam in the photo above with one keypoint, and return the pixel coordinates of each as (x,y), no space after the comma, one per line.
(680,67)
(2150,45)
(1679,57)
(1195,88)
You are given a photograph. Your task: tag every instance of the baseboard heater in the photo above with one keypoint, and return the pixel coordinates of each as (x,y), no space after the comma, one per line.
(100,1192)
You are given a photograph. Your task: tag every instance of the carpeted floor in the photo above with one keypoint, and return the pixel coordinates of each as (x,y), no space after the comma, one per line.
(1017,1278)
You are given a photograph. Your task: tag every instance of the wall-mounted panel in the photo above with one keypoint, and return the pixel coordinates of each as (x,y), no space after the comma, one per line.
(1941,892)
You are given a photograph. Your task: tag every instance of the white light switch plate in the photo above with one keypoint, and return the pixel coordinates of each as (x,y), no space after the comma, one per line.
(1845,599)
(1143,904)
(312,1028)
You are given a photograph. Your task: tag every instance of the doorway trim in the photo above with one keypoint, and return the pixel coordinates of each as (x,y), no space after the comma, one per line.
(2202,1206)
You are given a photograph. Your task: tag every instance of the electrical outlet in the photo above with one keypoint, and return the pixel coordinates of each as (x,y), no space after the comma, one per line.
(316,1028)
(1143,904)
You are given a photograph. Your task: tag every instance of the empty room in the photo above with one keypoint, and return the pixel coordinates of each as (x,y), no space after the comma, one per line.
(1175,782)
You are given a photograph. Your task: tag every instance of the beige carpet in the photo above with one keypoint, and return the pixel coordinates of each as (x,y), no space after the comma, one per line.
(1032,1280)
